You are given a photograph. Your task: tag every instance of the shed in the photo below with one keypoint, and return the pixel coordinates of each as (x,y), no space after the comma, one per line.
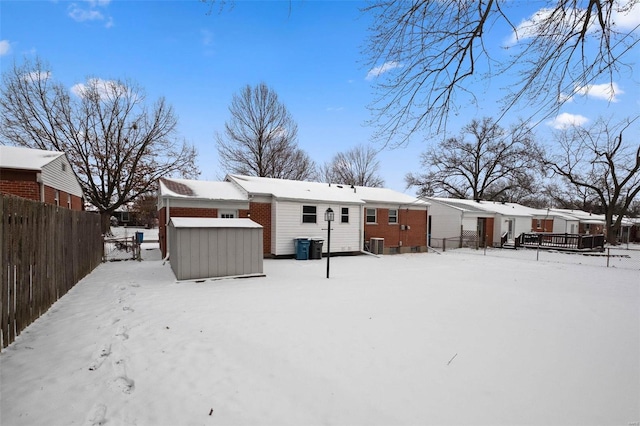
(215,247)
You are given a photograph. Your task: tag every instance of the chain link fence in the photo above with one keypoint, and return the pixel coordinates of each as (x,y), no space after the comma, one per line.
(625,256)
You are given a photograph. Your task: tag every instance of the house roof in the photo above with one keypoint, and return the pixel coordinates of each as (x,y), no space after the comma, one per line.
(198,222)
(240,188)
(458,204)
(199,189)
(317,191)
(582,216)
(14,157)
(505,209)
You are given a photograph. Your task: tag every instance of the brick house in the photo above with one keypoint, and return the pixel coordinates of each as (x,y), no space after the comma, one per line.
(291,209)
(39,175)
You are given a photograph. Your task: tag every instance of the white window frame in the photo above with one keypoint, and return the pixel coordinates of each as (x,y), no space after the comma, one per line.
(56,197)
(375,215)
(395,216)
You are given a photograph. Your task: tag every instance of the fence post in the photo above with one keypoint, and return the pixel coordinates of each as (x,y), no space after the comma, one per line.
(444,243)
(608,255)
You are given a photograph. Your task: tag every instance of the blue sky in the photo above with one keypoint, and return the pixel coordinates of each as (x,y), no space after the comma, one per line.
(309,52)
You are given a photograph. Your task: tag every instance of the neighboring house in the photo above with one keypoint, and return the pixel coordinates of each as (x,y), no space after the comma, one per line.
(451,219)
(290,209)
(39,175)
(587,223)
(487,222)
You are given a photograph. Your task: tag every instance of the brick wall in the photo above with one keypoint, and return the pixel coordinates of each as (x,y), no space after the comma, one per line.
(261,213)
(546,225)
(179,212)
(393,234)
(24,189)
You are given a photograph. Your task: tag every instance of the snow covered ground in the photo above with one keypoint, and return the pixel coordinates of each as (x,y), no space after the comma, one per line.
(426,339)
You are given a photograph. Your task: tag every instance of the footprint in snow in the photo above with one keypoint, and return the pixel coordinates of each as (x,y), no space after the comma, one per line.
(97,415)
(128,308)
(122,332)
(122,382)
(100,357)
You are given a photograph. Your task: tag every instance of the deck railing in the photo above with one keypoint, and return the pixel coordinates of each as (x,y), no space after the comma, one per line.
(563,241)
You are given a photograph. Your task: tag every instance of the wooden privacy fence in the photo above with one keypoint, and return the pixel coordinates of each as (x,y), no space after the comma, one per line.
(46,250)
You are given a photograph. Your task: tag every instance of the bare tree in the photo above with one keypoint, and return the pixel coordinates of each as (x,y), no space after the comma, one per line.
(357,166)
(260,138)
(493,165)
(600,162)
(118,146)
(427,54)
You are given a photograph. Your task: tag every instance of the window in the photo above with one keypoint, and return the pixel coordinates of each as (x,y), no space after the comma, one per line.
(226,214)
(64,167)
(393,216)
(371,215)
(68,201)
(56,197)
(344,215)
(308,214)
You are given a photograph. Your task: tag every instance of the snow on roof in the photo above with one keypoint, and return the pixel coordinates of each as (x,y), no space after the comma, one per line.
(187,188)
(385,195)
(296,190)
(198,222)
(14,157)
(317,191)
(582,216)
(505,209)
(459,204)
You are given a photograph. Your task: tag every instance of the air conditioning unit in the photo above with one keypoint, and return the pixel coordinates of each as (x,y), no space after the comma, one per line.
(377,245)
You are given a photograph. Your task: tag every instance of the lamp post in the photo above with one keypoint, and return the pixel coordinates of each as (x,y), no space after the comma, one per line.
(328,216)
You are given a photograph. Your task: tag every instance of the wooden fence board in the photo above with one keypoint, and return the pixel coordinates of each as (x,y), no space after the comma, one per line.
(46,250)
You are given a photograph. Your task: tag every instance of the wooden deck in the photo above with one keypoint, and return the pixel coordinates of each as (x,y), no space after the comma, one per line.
(569,242)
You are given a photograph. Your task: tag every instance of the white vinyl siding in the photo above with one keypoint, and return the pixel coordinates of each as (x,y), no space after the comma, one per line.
(64,180)
(286,225)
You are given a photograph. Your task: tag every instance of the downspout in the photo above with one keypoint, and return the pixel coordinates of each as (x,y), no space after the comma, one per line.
(166,232)
(40,186)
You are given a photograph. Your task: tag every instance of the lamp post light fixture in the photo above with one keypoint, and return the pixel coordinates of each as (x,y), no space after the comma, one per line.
(328,216)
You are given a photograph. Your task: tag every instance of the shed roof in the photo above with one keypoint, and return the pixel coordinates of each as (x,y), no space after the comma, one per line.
(14,157)
(198,222)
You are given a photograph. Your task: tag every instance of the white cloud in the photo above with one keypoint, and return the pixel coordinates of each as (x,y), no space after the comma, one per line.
(607,91)
(625,16)
(5,47)
(81,15)
(106,88)
(565,120)
(627,19)
(381,69)
(37,76)
(90,10)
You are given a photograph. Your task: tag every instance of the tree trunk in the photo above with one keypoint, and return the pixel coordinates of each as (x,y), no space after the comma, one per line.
(105,222)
